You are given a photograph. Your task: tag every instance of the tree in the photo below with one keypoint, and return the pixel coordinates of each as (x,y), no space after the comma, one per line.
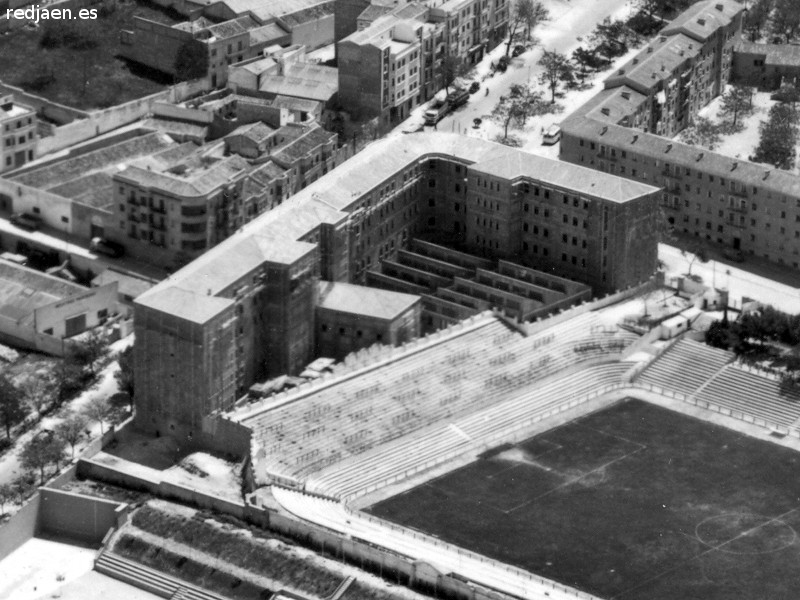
(696,253)
(531,12)
(68,378)
(557,68)
(6,495)
(42,450)
(755,19)
(737,100)
(38,391)
(89,351)
(778,137)
(124,376)
(648,7)
(718,335)
(12,407)
(97,410)
(786,19)
(451,67)
(587,59)
(70,430)
(515,108)
(191,60)
(613,38)
(703,133)
(515,23)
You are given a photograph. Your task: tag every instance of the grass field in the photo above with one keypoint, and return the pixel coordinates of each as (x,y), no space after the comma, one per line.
(89,78)
(633,502)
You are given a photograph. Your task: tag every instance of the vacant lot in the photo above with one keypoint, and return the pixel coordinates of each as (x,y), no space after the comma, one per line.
(632,502)
(83,78)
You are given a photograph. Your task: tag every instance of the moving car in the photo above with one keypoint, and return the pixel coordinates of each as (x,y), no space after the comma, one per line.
(474,87)
(26,221)
(107,247)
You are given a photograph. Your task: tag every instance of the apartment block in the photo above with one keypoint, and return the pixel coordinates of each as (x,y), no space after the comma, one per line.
(682,69)
(159,46)
(393,62)
(766,66)
(732,202)
(253,297)
(17,134)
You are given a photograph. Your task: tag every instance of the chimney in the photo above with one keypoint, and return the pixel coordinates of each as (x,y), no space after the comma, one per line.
(669,147)
(635,137)
(699,157)
(604,130)
(701,22)
(621,72)
(719,7)
(734,165)
(635,61)
(626,95)
(766,174)
(649,49)
(605,111)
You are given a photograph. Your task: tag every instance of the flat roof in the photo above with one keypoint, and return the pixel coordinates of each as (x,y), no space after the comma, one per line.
(127,284)
(23,290)
(329,198)
(365,301)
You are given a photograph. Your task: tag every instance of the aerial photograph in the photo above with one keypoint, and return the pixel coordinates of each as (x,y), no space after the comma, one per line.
(399,299)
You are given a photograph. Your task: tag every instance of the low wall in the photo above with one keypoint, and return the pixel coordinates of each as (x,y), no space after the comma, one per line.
(20,528)
(78,517)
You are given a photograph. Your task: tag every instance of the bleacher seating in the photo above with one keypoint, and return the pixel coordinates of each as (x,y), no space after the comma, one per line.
(158,583)
(753,393)
(685,367)
(447,439)
(406,392)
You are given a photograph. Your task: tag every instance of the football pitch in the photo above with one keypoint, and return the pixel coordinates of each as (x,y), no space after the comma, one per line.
(632,502)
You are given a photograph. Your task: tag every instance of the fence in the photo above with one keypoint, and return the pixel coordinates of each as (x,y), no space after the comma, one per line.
(735,414)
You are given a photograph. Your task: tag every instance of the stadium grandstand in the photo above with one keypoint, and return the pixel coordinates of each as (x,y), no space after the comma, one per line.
(407,409)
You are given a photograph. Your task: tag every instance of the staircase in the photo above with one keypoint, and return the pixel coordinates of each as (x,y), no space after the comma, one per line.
(150,580)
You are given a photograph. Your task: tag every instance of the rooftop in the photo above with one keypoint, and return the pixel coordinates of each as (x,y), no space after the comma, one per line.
(256,132)
(655,62)
(701,20)
(109,158)
(365,301)
(127,285)
(191,179)
(304,80)
(23,290)
(300,146)
(329,198)
(725,167)
(775,54)
(616,104)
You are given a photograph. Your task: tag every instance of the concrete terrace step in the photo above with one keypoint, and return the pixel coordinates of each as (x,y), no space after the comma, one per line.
(149,579)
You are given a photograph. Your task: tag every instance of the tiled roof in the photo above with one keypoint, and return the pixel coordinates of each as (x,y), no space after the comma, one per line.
(655,62)
(110,157)
(774,54)
(702,19)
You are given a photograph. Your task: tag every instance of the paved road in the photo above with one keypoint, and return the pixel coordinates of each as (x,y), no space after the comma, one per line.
(739,282)
(570,19)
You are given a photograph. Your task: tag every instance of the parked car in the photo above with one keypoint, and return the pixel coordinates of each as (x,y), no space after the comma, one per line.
(502,64)
(474,87)
(107,247)
(551,135)
(518,49)
(26,221)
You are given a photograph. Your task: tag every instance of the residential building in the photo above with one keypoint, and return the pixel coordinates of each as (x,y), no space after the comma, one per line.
(683,68)
(395,62)
(17,134)
(766,66)
(730,201)
(350,317)
(245,310)
(159,46)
